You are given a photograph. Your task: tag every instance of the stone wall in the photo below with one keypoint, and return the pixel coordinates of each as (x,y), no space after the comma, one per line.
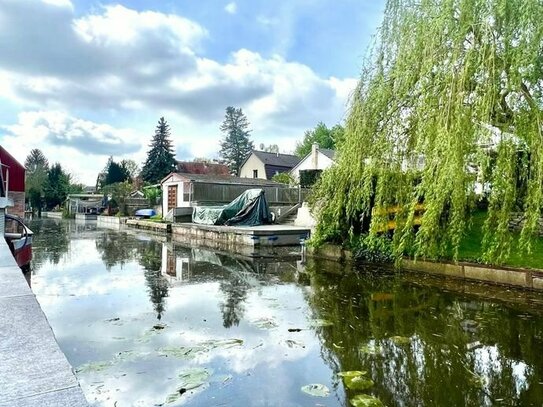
(516,222)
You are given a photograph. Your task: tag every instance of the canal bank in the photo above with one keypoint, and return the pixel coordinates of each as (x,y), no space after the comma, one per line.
(33,371)
(531,279)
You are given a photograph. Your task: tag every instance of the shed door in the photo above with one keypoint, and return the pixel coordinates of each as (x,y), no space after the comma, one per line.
(172,197)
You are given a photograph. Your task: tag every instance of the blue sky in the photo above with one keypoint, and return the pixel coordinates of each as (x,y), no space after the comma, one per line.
(82,80)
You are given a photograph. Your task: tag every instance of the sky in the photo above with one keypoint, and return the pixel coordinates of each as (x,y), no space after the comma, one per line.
(83,80)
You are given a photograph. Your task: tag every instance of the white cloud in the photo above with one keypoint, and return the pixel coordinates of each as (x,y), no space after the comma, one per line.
(121,63)
(81,146)
(118,24)
(59,3)
(231,8)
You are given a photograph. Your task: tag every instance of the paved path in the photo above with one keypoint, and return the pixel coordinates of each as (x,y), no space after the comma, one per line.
(33,369)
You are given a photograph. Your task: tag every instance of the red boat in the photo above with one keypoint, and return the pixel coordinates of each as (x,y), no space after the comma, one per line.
(19,239)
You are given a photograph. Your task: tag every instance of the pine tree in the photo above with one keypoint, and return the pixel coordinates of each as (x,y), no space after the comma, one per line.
(236,145)
(160,158)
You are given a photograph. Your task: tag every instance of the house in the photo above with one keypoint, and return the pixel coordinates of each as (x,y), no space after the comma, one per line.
(261,164)
(13,183)
(195,167)
(189,190)
(317,159)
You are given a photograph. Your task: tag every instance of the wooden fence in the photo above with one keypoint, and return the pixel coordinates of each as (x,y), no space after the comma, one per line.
(204,193)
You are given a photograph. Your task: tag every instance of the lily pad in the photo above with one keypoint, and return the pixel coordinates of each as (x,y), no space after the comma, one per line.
(189,380)
(294,344)
(316,390)
(365,400)
(265,323)
(370,349)
(221,343)
(93,367)
(356,380)
(181,352)
(319,323)
(401,340)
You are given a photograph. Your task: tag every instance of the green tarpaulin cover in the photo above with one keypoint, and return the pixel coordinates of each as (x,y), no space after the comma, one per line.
(248,209)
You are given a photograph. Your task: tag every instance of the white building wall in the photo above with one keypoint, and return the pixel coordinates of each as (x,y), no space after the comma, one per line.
(323,162)
(253,163)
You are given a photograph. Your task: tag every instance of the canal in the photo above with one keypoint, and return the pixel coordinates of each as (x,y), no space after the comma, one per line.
(145,321)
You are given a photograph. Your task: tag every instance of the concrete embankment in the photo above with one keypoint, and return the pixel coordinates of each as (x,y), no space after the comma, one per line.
(509,276)
(33,369)
(54,215)
(149,225)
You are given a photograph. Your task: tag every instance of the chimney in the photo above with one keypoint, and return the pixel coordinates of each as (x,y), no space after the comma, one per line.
(315,156)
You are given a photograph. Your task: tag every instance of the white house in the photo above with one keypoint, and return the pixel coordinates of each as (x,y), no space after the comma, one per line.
(264,165)
(317,159)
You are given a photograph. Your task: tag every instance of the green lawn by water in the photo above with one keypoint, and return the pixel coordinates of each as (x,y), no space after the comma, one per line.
(470,248)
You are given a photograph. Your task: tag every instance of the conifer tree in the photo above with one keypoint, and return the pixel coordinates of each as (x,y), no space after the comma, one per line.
(160,158)
(235,146)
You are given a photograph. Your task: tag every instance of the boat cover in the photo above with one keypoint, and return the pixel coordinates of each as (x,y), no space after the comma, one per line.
(248,209)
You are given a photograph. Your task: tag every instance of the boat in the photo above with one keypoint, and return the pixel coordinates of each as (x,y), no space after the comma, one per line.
(145,213)
(19,239)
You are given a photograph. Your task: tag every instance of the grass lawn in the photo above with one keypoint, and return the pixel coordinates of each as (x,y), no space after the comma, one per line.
(470,247)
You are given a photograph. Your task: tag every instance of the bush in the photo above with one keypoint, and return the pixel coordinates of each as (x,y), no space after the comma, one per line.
(372,249)
(308,178)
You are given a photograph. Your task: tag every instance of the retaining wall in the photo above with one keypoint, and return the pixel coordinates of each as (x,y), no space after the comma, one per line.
(518,277)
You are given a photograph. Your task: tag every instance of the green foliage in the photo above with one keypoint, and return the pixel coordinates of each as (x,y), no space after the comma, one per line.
(236,146)
(57,187)
(119,193)
(160,158)
(308,178)
(37,167)
(323,136)
(372,249)
(153,194)
(114,173)
(283,178)
(447,83)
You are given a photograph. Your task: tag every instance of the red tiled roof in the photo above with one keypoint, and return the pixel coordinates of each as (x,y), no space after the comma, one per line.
(187,167)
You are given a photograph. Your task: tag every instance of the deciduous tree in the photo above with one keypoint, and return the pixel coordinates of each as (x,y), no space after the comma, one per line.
(448,81)
(37,167)
(321,135)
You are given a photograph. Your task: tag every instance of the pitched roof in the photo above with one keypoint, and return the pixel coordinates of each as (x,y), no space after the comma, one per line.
(328,152)
(187,167)
(226,179)
(277,159)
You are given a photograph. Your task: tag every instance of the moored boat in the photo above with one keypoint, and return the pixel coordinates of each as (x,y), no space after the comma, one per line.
(19,239)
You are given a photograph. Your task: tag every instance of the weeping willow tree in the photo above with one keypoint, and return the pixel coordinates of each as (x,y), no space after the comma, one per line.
(449,99)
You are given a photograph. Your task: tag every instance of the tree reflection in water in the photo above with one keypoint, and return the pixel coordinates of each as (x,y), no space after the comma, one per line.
(423,346)
(151,261)
(46,249)
(117,248)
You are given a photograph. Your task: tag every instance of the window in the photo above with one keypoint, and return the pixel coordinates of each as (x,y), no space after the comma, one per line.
(255,173)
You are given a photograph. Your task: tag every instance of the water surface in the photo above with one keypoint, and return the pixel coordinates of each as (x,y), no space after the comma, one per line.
(145,321)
